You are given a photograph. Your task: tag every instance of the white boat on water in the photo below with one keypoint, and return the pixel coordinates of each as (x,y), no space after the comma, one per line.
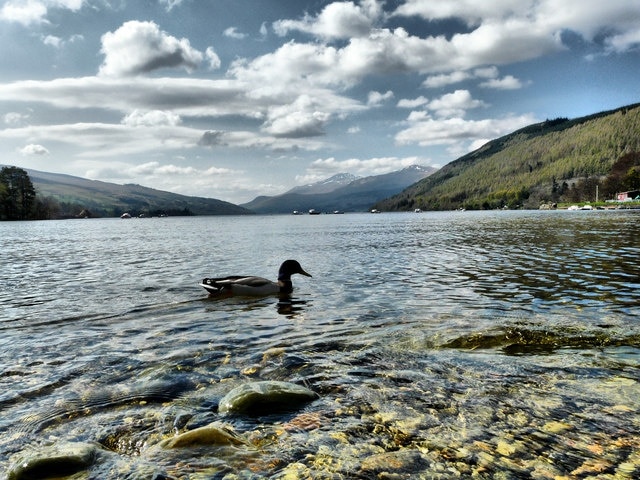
(576,207)
(125,215)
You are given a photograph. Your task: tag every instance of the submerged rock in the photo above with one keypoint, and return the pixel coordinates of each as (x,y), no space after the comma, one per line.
(54,461)
(208,435)
(406,461)
(265,397)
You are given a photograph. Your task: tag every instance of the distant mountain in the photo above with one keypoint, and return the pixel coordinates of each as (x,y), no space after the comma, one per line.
(325,186)
(105,199)
(342,192)
(558,160)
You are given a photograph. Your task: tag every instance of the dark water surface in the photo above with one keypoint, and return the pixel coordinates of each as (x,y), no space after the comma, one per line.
(442,345)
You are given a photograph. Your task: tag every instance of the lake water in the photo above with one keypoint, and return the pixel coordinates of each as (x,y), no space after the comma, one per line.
(442,345)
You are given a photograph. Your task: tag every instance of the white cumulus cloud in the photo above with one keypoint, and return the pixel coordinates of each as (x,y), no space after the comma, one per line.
(512,29)
(213,58)
(34,149)
(141,47)
(375,99)
(170,4)
(15,119)
(508,82)
(454,104)
(413,103)
(337,20)
(302,118)
(444,79)
(624,41)
(153,118)
(427,131)
(25,13)
(233,32)
(34,12)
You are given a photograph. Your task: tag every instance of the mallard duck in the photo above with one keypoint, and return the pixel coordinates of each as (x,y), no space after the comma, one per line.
(251,285)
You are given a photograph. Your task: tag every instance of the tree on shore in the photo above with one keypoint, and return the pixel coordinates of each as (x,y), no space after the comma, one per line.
(17,194)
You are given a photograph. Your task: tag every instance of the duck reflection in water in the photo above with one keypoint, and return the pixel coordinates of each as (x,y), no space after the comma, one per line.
(286,305)
(290,307)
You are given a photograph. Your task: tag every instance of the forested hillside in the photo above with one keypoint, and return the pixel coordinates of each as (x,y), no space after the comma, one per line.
(557,160)
(30,194)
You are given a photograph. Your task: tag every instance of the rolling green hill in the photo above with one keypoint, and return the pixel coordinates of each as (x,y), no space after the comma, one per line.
(556,160)
(102,199)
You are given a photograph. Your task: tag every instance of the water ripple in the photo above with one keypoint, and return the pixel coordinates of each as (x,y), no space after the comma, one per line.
(457,334)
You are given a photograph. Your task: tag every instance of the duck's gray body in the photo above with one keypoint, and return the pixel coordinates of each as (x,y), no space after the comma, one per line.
(255,286)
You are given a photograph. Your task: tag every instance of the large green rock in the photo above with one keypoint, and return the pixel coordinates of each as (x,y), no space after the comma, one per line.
(257,398)
(54,461)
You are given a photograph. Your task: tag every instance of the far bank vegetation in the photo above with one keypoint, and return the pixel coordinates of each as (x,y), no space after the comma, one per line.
(555,161)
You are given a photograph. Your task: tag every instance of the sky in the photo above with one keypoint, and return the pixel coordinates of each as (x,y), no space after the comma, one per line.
(232,99)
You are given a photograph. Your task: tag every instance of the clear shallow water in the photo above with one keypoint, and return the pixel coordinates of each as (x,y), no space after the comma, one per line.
(472,344)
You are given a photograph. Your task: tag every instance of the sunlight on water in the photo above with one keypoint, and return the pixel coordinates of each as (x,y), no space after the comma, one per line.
(460,344)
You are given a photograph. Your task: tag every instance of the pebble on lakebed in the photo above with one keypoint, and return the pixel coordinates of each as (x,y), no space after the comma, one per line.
(257,398)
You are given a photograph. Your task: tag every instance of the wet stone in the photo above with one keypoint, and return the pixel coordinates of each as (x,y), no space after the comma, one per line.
(54,461)
(265,397)
(394,462)
(294,471)
(209,435)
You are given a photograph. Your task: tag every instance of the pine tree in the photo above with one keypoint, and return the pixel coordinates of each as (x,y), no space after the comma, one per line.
(17,195)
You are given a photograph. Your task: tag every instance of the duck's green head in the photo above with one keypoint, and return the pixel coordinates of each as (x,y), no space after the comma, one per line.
(288,268)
